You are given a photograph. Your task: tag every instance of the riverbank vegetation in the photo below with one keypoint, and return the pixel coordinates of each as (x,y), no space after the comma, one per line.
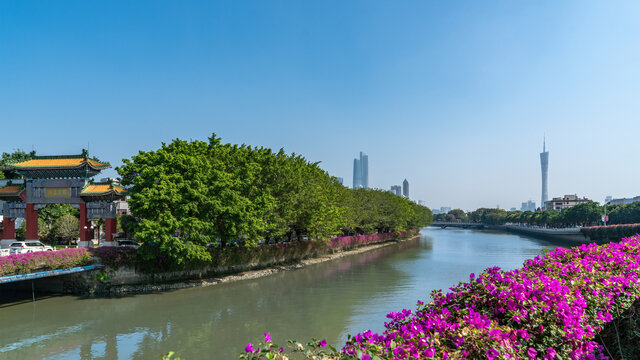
(191,196)
(44,260)
(573,303)
(585,214)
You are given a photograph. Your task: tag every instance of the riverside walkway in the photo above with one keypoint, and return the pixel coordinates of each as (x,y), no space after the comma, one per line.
(48,273)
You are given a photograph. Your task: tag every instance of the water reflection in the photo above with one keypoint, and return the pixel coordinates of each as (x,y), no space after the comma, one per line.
(331,299)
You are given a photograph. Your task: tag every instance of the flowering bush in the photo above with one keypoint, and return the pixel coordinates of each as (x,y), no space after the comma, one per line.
(551,308)
(350,242)
(43,260)
(114,256)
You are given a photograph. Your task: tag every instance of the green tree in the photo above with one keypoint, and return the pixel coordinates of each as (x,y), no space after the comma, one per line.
(8,158)
(585,213)
(126,225)
(458,215)
(67,227)
(189,194)
(49,215)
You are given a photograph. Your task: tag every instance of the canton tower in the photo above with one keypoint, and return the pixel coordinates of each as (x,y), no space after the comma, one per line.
(544,164)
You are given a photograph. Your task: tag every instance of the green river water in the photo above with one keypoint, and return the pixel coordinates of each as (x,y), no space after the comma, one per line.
(327,300)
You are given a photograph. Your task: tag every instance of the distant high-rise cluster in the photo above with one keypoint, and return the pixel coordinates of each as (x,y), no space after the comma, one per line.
(361,172)
(528,206)
(544,164)
(401,190)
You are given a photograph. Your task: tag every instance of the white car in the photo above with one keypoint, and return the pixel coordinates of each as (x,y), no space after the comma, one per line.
(23,247)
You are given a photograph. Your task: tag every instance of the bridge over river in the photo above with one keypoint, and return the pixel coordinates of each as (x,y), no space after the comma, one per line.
(464,225)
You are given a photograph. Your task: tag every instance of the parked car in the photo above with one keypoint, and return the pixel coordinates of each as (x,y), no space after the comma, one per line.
(29,246)
(128,243)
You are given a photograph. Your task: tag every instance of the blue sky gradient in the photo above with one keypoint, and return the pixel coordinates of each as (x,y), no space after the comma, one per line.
(453,96)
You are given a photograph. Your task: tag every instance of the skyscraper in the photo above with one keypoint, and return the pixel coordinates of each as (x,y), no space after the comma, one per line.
(544,164)
(396,189)
(357,173)
(361,172)
(405,188)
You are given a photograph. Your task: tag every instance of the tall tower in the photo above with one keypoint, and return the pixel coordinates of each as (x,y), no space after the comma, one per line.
(364,162)
(405,188)
(544,164)
(361,172)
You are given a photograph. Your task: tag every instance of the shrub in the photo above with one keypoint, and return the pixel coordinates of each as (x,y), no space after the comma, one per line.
(115,257)
(43,260)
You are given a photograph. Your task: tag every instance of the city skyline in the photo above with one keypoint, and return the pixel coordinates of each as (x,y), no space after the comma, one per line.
(475,86)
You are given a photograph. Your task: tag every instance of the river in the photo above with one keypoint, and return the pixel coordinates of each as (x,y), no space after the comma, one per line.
(327,300)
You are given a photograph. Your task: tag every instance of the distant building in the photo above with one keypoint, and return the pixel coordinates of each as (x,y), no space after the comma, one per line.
(405,188)
(544,165)
(607,199)
(513,209)
(528,206)
(122,207)
(396,189)
(564,202)
(361,172)
(623,201)
(444,209)
(422,202)
(340,180)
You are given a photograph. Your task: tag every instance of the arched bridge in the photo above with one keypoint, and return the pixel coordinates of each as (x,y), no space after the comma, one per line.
(464,225)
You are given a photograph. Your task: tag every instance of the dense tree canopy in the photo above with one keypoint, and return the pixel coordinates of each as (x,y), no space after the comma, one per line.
(188,194)
(586,214)
(16,156)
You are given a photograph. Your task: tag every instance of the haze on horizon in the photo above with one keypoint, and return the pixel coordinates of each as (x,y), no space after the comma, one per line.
(454,97)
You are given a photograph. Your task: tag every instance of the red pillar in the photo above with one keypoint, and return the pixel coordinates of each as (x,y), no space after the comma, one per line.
(9,226)
(32,223)
(85,225)
(110,227)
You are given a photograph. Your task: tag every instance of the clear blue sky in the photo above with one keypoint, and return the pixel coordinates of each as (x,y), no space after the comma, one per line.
(453,96)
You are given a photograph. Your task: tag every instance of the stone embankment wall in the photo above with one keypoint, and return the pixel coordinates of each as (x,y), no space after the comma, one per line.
(571,237)
(128,280)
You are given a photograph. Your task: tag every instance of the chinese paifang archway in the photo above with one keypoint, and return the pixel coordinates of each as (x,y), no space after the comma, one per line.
(61,179)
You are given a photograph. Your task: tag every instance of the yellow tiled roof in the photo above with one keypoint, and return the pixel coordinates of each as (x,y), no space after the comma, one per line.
(102,188)
(56,162)
(50,162)
(11,189)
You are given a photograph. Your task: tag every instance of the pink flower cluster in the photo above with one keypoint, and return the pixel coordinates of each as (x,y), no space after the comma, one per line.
(551,308)
(348,242)
(43,260)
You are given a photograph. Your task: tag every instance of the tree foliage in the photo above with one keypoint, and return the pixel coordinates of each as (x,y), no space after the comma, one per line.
(67,227)
(16,156)
(189,194)
(584,214)
(48,218)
